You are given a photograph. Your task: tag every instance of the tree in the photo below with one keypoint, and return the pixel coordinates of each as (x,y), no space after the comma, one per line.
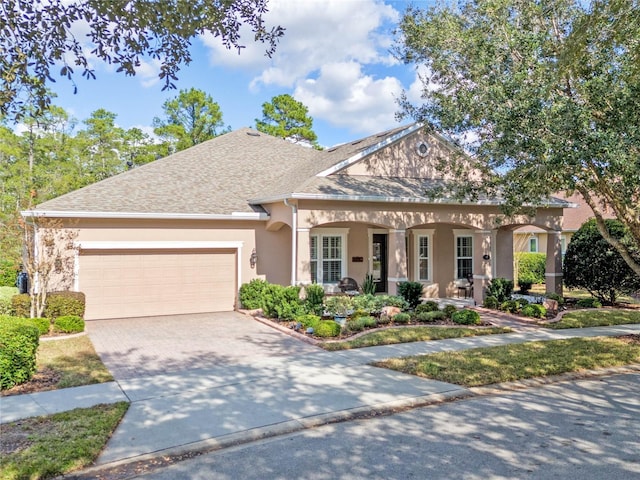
(191,118)
(593,264)
(285,117)
(39,36)
(102,143)
(549,93)
(49,257)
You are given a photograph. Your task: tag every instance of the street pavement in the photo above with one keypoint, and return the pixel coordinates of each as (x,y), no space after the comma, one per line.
(203,409)
(585,430)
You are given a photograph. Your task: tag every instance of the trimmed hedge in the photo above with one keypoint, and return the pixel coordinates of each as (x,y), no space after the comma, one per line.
(68,324)
(19,339)
(43,324)
(432,316)
(251,294)
(6,293)
(411,292)
(281,302)
(21,305)
(589,303)
(8,273)
(466,317)
(428,306)
(314,298)
(534,310)
(449,310)
(531,266)
(62,304)
(401,318)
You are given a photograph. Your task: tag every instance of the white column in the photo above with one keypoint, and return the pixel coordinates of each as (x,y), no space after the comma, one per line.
(397,260)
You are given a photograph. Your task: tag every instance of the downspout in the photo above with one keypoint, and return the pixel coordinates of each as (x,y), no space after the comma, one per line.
(294,240)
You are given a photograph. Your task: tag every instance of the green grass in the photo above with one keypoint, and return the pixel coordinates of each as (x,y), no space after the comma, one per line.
(7,292)
(411,334)
(75,360)
(486,366)
(57,444)
(596,318)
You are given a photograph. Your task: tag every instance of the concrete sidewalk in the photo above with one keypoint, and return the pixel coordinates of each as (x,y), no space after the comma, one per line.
(212,407)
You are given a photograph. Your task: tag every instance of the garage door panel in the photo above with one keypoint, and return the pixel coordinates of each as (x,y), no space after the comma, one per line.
(145,283)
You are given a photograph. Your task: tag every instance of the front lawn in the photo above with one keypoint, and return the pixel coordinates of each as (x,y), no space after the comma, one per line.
(69,362)
(596,318)
(48,446)
(507,363)
(411,334)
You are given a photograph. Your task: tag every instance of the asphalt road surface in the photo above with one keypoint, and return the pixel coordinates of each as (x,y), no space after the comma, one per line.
(588,429)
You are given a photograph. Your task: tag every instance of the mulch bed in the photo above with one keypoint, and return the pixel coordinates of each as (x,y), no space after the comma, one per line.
(42,380)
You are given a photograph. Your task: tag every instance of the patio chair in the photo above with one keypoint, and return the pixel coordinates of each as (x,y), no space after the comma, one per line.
(349,286)
(465,285)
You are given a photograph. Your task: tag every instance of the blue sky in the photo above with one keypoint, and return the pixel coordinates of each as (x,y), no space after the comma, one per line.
(334,58)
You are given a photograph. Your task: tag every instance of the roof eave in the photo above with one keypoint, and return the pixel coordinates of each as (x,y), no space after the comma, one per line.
(259,216)
(369,199)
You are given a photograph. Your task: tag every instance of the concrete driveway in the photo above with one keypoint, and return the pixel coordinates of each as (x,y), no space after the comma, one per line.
(141,347)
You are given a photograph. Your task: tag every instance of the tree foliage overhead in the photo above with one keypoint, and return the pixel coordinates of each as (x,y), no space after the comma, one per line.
(548,90)
(285,117)
(44,39)
(191,118)
(593,264)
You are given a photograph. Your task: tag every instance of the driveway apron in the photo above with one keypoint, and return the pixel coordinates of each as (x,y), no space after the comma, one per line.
(143,347)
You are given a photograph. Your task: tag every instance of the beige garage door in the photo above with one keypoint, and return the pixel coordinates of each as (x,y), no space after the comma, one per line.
(139,283)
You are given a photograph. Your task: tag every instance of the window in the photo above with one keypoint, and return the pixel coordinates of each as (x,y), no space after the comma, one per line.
(327,258)
(422,255)
(533,244)
(563,244)
(464,256)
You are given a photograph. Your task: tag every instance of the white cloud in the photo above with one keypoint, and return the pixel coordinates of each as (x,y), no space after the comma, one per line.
(148,72)
(345,97)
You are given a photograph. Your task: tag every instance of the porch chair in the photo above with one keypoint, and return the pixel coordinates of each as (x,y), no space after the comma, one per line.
(465,285)
(349,286)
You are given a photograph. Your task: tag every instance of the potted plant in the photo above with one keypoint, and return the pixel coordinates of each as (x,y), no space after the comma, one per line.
(339,307)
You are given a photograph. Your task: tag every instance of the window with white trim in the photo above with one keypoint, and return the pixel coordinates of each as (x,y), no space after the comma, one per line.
(533,244)
(423,245)
(327,257)
(464,256)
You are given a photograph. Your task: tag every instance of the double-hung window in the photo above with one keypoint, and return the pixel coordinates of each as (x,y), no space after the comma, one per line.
(533,244)
(464,256)
(423,255)
(327,257)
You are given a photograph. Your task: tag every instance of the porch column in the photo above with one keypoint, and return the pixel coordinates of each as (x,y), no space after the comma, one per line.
(397,260)
(303,263)
(482,263)
(504,254)
(553,273)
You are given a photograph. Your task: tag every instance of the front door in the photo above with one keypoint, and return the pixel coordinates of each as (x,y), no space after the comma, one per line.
(379,261)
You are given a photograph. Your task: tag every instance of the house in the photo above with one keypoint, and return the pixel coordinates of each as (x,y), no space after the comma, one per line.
(181,234)
(533,239)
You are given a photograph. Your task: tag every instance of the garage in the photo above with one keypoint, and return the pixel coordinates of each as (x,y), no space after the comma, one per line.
(121,283)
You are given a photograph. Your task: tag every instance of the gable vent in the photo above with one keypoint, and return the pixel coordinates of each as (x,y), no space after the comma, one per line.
(253,134)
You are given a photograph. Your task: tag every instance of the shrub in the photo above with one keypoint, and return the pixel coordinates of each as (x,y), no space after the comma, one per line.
(383,320)
(68,324)
(525,282)
(368,322)
(588,303)
(593,264)
(5,300)
(281,302)
(534,310)
(390,301)
(315,298)
(62,304)
(466,317)
(511,306)
(411,292)
(428,317)
(309,320)
(328,328)
(366,303)
(21,305)
(19,339)
(401,318)
(491,302)
(531,265)
(251,293)
(501,288)
(449,310)
(339,305)
(429,306)
(43,325)
(352,326)
(8,273)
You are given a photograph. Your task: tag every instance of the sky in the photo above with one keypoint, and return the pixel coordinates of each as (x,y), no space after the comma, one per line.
(334,58)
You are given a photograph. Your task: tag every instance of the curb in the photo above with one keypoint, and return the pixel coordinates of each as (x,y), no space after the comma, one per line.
(126,468)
